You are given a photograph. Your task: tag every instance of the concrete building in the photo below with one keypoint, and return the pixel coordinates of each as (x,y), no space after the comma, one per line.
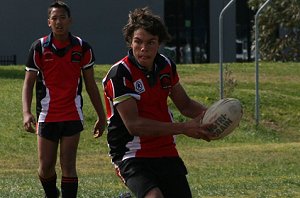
(98,22)
(193,22)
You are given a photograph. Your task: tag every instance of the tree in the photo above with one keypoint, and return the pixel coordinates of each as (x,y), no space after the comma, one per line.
(279,28)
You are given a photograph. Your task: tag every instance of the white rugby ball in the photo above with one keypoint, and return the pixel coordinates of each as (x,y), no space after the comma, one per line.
(224,115)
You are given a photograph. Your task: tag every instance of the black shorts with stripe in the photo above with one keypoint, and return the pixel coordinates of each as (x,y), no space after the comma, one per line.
(55,130)
(143,174)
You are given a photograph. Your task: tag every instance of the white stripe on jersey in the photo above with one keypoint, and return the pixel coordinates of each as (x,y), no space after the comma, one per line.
(134,146)
(78,103)
(45,105)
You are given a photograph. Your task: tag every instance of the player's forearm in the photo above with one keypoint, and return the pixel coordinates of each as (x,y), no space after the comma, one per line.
(100,111)
(27,91)
(148,127)
(27,99)
(193,109)
(93,92)
(96,101)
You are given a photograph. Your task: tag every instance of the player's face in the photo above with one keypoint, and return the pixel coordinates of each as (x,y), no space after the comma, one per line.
(145,47)
(59,22)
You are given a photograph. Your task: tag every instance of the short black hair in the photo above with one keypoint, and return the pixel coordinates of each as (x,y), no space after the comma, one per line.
(59,4)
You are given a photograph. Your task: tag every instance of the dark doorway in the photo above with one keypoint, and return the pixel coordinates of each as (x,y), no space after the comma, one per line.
(188,23)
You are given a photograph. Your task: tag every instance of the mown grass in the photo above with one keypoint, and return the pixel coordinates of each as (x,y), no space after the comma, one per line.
(254,161)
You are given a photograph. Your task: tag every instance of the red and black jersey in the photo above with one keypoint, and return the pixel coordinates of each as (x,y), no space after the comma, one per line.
(127,79)
(59,82)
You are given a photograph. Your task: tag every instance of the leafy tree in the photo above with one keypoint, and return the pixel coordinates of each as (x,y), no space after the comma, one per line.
(279,28)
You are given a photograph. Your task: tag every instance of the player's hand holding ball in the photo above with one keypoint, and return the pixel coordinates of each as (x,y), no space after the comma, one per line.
(197,130)
(223,117)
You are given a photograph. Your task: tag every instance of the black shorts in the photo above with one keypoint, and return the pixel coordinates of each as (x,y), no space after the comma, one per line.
(143,174)
(55,130)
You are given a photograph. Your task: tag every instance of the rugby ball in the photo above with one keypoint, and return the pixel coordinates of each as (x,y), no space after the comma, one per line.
(224,116)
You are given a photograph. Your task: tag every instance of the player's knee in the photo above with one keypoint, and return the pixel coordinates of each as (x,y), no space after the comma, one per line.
(68,169)
(46,171)
(154,193)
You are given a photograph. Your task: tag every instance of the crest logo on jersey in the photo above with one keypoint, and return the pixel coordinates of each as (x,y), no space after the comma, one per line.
(76,57)
(165,81)
(139,86)
(48,56)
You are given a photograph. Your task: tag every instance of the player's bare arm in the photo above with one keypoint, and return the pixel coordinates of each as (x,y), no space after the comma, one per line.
(190,108)
(93,92)
(187,106)
(139,126)
(27,94)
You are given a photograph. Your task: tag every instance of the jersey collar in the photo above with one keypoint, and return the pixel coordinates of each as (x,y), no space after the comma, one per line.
(63,51)
(151,76)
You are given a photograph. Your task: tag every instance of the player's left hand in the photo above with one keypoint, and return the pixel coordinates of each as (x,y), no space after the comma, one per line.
(98,129)
(29,122)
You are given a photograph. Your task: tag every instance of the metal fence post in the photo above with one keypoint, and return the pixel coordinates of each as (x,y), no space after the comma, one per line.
(221,47)
(257,101)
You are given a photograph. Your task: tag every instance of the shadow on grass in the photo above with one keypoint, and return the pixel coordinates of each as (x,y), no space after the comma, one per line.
(7,72)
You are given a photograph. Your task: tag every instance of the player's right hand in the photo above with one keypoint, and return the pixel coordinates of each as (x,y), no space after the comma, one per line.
(196,129)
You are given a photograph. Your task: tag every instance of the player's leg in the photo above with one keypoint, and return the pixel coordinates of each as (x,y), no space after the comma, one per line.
(172,178)
(47,152)
(68,151)
(144,186)
(154,193)
(175,186)
(170,175)
(139,178)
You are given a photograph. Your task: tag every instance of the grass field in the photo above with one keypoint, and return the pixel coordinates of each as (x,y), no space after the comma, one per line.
(255,161)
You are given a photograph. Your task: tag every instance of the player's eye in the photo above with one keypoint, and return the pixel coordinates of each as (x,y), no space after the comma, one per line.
(63,17)
(55,18)
(136,41)
(151,42)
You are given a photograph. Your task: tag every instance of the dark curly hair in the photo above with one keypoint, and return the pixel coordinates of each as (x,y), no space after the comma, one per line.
(145,19)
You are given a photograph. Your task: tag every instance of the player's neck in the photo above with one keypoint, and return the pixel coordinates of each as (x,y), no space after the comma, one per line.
(61,38)
(61,43)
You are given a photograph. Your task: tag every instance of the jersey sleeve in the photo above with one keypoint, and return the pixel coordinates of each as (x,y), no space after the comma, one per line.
(34,57)
(118,85)
(88,60)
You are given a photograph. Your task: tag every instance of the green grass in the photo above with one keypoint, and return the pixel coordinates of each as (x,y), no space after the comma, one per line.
(254,161)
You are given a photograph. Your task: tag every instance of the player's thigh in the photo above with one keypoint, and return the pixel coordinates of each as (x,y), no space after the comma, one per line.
(154,192)
(138,176)
(175,186)
(142,184)
(68,150)
(69,142)
(47,152)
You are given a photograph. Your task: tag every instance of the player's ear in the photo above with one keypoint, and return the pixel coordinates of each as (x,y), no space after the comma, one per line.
(49,23)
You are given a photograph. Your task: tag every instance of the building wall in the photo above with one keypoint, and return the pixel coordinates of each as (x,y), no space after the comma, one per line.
(98,22)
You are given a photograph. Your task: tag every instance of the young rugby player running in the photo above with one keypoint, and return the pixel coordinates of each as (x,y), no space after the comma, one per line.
(141,129)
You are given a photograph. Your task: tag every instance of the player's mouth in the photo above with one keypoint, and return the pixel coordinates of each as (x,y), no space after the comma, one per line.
(143,57)
(59,28)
